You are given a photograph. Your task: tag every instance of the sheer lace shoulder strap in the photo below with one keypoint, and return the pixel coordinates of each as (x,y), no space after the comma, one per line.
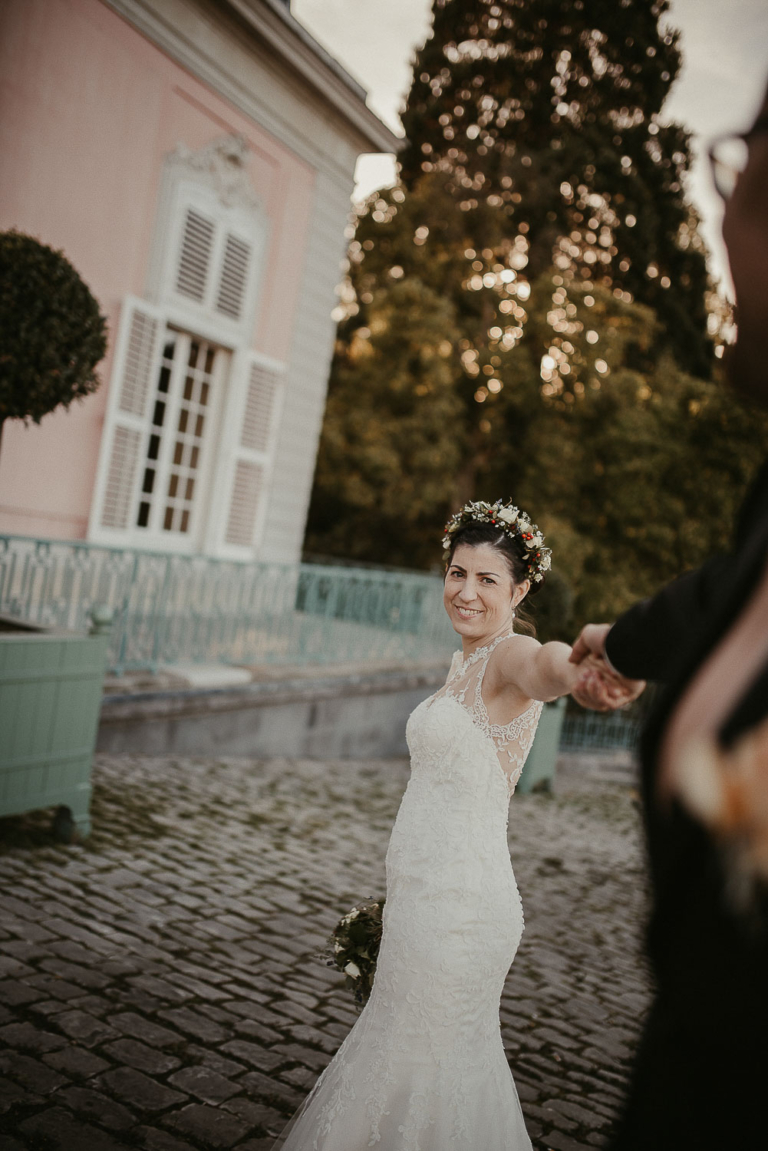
(488,651)
(465,672)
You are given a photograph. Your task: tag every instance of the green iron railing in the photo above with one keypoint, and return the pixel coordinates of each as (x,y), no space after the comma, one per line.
(169,608)
(592,731)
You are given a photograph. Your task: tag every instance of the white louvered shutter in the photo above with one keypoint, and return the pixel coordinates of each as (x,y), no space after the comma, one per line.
(195,252)
(137,355)
(252,455)
(234,276)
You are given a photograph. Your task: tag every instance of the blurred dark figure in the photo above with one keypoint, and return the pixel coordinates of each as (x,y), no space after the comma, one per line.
(702,1065)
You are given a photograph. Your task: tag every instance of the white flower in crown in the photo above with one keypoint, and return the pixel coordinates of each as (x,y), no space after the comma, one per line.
(511,520)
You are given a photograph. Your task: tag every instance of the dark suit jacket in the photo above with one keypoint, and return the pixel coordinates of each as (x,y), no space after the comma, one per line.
(701,1071)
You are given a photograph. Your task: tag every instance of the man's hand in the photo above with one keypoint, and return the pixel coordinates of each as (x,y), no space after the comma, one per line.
(599,688)
(591,641)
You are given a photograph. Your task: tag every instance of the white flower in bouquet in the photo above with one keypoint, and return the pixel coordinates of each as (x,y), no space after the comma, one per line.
(353,970)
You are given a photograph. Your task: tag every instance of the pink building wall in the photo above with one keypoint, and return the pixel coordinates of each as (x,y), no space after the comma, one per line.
(90,109)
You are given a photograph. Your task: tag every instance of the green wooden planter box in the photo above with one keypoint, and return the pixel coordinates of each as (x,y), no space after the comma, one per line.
(539,771)
(50,696)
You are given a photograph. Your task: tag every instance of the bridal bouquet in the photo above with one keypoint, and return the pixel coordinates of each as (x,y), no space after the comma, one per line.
(353,947)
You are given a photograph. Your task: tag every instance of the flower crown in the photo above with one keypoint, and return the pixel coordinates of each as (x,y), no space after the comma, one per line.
(511,520)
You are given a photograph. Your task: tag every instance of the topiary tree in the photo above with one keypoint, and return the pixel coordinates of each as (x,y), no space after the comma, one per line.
(52,334)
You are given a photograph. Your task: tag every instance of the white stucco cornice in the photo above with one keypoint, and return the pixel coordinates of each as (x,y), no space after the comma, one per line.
(272,22)
(280,45)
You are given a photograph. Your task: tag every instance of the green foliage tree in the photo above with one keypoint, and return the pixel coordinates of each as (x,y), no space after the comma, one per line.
(638,472)
(540,239)
(547,113)
(52,334)
(393,431)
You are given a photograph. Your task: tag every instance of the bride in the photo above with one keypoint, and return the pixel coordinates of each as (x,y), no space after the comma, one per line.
(423,1068)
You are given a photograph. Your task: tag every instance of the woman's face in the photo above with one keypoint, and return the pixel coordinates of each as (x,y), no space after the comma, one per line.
(479,593)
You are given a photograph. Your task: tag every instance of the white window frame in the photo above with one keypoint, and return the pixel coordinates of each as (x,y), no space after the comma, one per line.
(213,182)
(221,452)
(227,221)
(156,538)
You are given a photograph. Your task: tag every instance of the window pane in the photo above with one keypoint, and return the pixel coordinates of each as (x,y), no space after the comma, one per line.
(182,399)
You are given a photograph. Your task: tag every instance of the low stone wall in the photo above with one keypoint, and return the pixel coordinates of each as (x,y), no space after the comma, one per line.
(325,714)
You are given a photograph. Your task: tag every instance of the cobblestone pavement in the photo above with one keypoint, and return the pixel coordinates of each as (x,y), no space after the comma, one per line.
(156,984)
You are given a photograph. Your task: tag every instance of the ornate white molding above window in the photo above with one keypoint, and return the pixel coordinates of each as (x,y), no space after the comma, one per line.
(209,240)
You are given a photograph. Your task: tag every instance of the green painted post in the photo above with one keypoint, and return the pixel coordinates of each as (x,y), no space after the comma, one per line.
(539,771)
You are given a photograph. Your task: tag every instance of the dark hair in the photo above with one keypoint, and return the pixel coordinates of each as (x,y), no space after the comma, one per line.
(513,550)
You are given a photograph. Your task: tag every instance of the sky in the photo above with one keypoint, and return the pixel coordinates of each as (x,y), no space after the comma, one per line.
(725,70)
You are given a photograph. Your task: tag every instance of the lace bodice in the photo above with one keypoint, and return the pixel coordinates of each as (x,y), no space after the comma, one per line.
(513,739)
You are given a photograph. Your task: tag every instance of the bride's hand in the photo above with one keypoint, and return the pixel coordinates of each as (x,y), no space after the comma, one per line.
(600,688)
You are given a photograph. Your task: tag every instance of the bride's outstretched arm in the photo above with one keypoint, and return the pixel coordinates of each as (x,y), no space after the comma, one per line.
(541,671)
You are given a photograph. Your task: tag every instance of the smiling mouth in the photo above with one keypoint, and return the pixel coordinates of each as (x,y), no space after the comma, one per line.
(468,612)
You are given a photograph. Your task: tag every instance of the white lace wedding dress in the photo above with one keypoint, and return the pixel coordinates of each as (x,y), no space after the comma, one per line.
(423,1068)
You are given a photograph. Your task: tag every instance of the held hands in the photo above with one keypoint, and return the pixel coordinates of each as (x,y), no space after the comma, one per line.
(599,687)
